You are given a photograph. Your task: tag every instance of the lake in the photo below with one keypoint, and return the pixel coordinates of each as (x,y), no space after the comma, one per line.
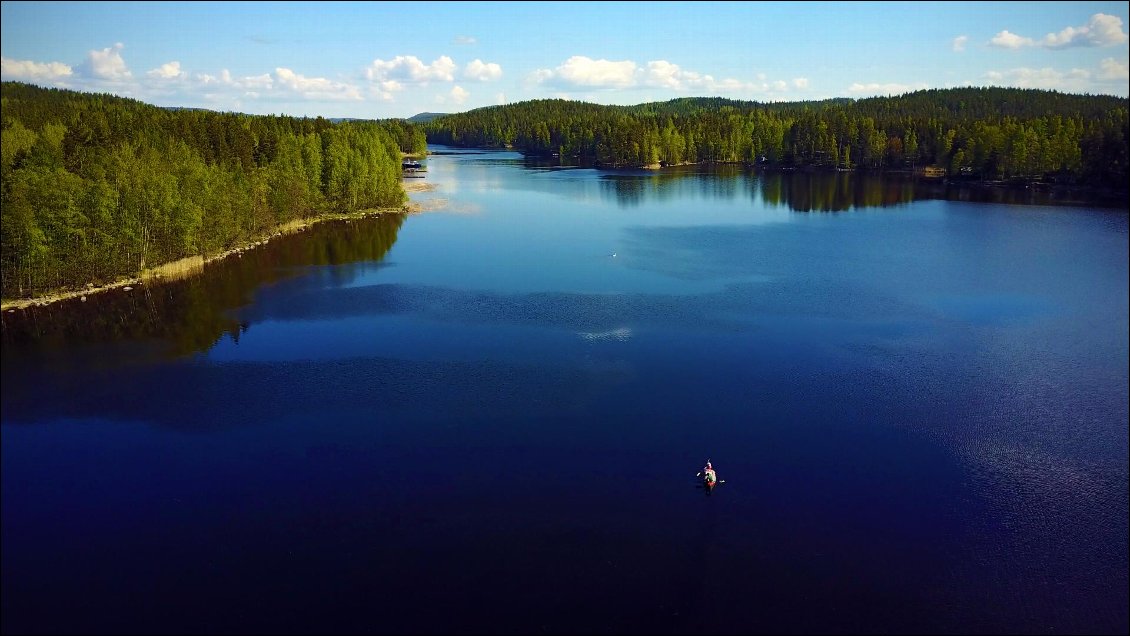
(488,418)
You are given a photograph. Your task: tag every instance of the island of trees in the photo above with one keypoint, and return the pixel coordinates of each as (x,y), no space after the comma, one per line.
(96,187)
(983,133)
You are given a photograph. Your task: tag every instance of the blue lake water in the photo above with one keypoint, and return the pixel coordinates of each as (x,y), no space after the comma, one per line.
(488,418)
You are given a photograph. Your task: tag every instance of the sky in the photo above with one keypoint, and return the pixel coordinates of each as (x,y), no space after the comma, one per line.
(376,60)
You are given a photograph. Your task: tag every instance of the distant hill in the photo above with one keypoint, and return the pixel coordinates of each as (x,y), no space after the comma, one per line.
(424,118)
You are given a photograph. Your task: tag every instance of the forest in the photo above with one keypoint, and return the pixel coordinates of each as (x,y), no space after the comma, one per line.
(982,133)
(97,187)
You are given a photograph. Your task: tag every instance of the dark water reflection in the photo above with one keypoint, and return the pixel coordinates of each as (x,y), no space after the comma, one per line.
(191,314)
(822,191)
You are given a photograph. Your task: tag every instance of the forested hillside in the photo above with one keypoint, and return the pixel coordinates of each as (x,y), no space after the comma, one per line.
(97,187)
(988,132)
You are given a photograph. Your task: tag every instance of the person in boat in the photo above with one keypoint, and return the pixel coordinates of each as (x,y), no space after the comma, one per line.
(708,475)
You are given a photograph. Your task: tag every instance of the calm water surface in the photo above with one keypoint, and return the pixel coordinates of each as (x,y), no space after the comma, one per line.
(488,419)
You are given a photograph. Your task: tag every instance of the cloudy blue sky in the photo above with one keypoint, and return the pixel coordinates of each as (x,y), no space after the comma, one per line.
(396,59)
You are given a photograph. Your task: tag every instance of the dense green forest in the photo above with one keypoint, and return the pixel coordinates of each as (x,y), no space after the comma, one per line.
(991,133)
(98,187)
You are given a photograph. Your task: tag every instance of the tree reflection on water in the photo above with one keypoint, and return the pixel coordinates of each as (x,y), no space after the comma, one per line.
(190,315)
(811,192)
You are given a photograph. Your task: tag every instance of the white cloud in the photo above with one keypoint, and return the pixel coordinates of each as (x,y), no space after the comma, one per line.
(108,64)
(385,90)
(1111,70)
(730,85)
(1064,38)
(481,71)
(1007,40)
(541,75)
(458,95)
(959,43)
(1047,78)
(380,95)
(664,74)
(581,71)
(891,88)
(1100,30)
(249,83)
(500,98)
(315,88)
(1106,30)
(774,88)
(27,70)
(464,39)
(584,72)
(264,81)
(168,71)
(409,68)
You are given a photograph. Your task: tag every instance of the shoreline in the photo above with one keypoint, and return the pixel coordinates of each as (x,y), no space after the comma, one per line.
(1005,183)
(190,265)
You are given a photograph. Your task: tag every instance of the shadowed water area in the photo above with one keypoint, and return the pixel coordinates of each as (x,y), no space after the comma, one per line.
(488,419)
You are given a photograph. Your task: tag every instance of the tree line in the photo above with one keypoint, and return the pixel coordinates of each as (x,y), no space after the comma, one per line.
(992,133)
(97,187)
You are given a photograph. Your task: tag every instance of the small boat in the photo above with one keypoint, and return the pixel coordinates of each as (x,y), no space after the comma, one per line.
(410,166)
(709,478)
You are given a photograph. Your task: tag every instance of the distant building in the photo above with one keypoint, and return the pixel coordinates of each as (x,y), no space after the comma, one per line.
(933,172)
